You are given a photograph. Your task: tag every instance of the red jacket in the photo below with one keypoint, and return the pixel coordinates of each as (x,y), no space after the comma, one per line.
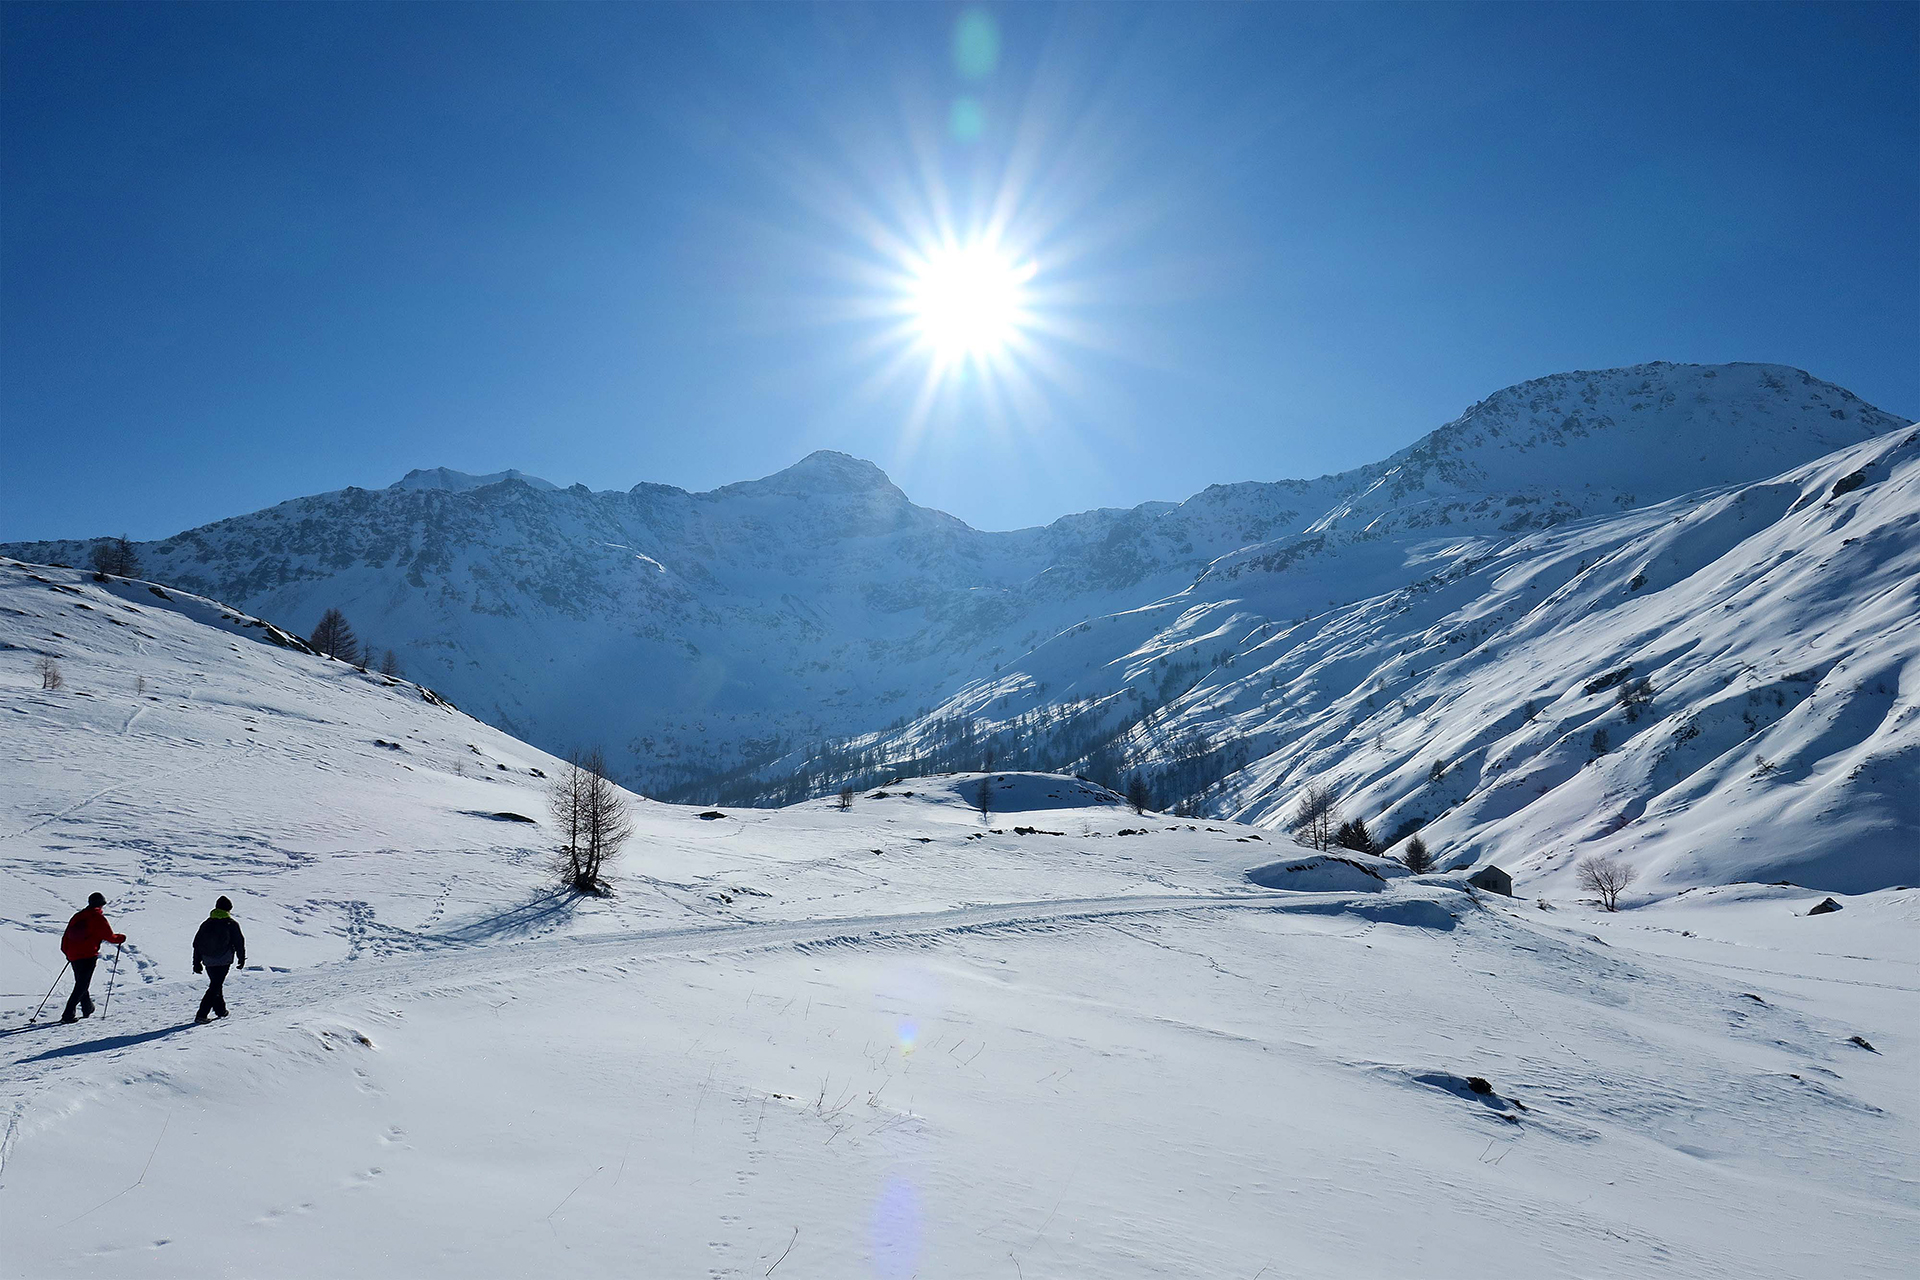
(85,932)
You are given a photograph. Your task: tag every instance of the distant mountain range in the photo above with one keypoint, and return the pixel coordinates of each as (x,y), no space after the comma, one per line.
(1664,610)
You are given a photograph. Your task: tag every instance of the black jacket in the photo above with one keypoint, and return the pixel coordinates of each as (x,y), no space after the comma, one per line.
(219,941)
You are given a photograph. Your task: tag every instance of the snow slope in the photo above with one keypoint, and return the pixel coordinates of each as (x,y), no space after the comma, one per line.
(902,1039)
(1724,686)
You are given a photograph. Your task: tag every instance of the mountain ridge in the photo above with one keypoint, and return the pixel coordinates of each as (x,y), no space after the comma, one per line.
(750,638)
(836,469)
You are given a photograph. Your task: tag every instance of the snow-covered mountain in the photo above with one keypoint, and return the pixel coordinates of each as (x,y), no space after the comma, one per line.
(1723,686)
(893,1039)
(776,637)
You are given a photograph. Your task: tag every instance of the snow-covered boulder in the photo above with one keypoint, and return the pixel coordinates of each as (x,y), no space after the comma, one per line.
(1342,872)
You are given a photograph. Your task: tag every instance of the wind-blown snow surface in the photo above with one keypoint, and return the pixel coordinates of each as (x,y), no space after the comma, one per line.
(898,1040)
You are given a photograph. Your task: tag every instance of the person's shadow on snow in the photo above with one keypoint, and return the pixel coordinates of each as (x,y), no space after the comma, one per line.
(103,1044)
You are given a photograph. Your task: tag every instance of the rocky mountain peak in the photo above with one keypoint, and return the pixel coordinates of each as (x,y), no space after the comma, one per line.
(824,472)
(451,481)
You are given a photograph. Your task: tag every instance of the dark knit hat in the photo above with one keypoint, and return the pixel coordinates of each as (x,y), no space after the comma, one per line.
(96,899)
(225,904)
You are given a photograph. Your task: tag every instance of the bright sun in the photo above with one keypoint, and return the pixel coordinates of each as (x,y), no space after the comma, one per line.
(969,301)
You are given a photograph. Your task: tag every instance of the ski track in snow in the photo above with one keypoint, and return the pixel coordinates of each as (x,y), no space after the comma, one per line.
(467,962)
(305,1004)
(101,794)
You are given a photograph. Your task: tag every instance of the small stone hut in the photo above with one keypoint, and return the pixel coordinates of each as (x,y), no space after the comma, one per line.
(1493,880)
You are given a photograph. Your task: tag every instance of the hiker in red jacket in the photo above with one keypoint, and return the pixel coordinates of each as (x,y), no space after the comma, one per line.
(81,943)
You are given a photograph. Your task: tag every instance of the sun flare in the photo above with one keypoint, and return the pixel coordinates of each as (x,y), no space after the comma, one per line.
(969,301)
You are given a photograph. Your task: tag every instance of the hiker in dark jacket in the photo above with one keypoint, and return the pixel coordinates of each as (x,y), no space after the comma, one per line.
(218,944)
(81,945)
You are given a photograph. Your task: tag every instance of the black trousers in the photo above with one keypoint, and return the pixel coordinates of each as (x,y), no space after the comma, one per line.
(215,1001)
(82,977)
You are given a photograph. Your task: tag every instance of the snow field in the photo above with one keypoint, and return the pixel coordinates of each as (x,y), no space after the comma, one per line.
(1187,1093)
(899,1040)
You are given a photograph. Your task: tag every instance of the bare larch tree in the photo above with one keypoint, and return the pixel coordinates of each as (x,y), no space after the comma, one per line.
(591,815)
(1316,816)
(333,637)
(1606,878)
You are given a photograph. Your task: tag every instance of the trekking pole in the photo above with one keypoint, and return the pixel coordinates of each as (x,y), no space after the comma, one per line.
(43,999)
(110,977)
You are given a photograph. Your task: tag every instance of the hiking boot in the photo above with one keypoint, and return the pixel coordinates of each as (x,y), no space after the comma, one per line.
(67,1017)
(201,1019)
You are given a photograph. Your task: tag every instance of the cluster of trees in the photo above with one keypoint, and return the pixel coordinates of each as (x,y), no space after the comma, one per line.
(1635,698)
(1353,834)
(333,636)
(1091,738)
(1190,767)
(1318,822)
(593,821)
(115,557)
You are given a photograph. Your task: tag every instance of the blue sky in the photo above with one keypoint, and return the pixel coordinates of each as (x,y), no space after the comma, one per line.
(251,252)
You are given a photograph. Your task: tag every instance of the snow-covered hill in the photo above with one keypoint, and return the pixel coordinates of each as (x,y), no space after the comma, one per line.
(900,1038)
(774,638)
(191,747)
(1719,687)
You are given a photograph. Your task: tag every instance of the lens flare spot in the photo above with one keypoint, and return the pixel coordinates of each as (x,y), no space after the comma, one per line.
(897,1226)
(967,121)
(976,45)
